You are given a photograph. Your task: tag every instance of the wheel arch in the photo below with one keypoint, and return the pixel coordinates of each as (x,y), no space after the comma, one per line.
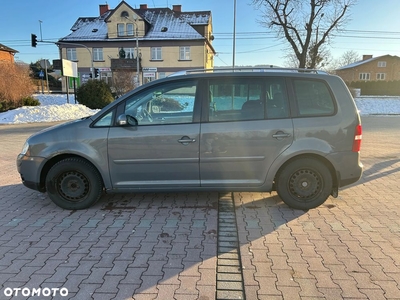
(55,159)
(317,157)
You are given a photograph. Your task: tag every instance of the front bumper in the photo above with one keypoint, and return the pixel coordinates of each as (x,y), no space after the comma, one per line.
(29,168)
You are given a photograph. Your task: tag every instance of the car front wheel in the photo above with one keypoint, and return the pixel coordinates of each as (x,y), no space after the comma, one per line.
(304,183)
(74,184)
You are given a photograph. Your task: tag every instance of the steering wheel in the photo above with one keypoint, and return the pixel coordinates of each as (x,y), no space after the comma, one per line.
(147,115)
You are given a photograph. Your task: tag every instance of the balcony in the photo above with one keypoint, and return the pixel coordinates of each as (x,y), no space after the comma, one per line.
(124,64)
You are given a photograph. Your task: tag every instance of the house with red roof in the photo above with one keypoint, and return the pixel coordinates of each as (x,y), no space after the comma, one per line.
(7,53)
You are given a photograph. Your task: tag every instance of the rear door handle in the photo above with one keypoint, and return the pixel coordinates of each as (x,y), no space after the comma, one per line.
(185,140)
(281,135)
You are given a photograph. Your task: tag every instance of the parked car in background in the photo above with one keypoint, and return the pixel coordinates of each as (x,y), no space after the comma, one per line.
(291,130)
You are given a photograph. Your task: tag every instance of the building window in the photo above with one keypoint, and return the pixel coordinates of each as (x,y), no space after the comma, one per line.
(71,54)
(121,29)
(106,76)
(161,75)
(129,53)
(98,54)
(381,64)
(156,53)
(184,53)
(364,76)
(129,29)
(380,76)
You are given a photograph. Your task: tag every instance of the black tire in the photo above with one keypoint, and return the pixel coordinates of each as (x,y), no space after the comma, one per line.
(74,184)
(304,183)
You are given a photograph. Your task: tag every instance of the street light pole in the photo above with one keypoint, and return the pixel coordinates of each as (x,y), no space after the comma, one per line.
(234,33)
(137,53)
(40,25)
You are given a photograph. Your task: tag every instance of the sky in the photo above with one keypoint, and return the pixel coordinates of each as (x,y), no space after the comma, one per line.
(373,28)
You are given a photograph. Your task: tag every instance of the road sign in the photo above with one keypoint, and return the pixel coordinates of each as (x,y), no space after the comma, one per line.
(149,69)
(149,74)
(41,74)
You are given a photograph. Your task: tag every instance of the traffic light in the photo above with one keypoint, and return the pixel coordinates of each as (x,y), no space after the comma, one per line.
(33,40)
(96,73)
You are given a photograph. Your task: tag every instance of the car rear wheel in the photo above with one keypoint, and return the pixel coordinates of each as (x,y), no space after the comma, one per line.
(74,184)
(304,183)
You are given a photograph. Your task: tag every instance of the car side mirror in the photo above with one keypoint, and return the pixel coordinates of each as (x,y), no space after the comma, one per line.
(124,120)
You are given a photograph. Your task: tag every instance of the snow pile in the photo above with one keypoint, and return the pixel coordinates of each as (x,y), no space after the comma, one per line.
(374,105)
(54,107)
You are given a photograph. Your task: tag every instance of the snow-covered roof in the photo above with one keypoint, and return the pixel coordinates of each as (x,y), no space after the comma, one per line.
(178,25)
(358,63)
(361,62)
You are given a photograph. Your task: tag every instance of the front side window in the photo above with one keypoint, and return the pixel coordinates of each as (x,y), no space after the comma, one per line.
(71,54)
(171,103)
(97,54)
(313,98)
(156,53)
(106,120)
(184,53)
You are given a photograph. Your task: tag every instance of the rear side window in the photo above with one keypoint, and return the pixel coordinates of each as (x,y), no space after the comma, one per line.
(234,100)
(313,98)
(243,99)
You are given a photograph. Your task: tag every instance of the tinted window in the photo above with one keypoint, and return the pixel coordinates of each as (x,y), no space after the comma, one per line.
(170,103)
(244,99)
(313,98)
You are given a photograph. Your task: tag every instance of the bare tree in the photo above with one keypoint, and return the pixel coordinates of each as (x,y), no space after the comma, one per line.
(306,25)
(345,59)
(348,57)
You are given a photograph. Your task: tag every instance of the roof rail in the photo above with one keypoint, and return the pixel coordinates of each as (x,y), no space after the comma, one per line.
(248,69)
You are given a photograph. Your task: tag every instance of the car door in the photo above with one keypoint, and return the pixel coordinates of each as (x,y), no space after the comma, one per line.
(159,145)
(248,126)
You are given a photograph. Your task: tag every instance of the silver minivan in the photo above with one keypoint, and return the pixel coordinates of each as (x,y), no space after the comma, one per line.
(294,131)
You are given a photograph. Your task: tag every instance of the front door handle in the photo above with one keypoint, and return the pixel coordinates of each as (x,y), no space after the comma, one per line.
(280,135)
(185,140)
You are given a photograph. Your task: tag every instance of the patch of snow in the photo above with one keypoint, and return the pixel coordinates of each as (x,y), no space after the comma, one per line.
(52,108)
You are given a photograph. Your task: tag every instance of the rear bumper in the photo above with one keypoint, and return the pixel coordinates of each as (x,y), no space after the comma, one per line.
(348,167)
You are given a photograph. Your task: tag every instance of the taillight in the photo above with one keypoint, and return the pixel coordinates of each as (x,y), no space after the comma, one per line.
(357,139)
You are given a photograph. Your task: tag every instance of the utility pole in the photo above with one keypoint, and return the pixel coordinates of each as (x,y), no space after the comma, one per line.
(137,53)
(234,33)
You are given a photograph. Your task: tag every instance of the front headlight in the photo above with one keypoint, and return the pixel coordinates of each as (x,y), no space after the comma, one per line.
(25,148)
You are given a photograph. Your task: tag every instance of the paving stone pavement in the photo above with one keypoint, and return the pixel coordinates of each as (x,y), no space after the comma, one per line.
(164,245)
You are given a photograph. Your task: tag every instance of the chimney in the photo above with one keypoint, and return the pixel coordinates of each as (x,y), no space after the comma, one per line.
(143,6)
(177,8)
(365,57)
(103,8)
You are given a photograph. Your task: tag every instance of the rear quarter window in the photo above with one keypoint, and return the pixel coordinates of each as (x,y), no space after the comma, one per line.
(313,97)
